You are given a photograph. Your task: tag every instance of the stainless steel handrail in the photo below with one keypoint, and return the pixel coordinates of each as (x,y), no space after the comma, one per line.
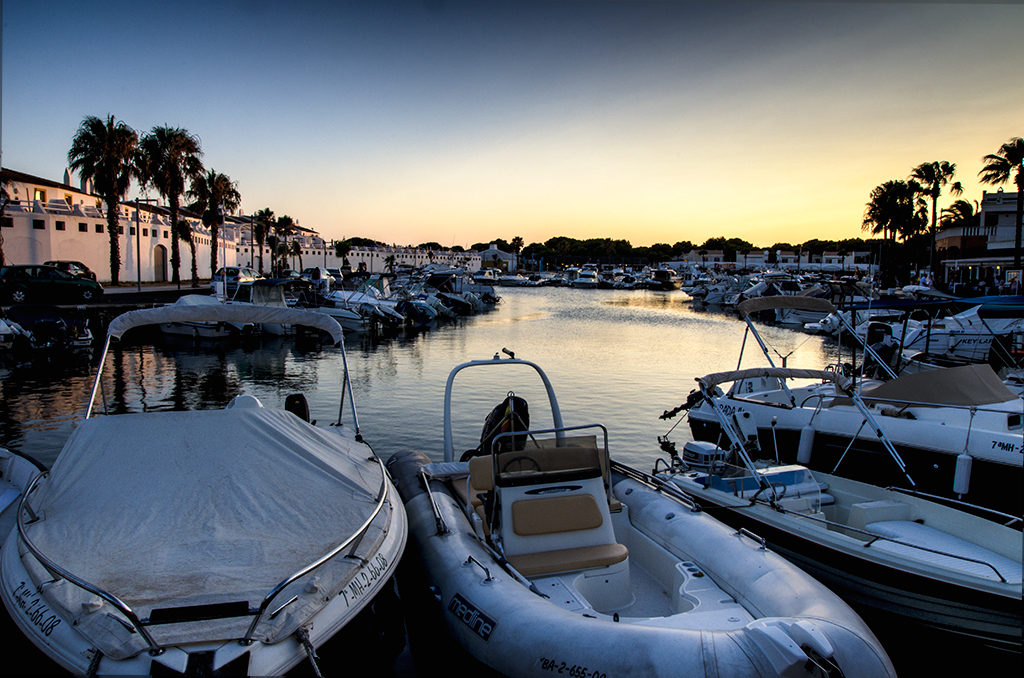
(247,639)
(58,571)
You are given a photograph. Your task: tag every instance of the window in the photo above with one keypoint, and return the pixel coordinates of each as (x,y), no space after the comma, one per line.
(145,231)
(83,227)
(131,230)
(67,199)
(99,228)
(8,222)
(39,194)
(39,224)
(58,225)
(165,234)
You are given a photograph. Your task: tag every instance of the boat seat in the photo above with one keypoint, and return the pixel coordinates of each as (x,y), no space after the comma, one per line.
(568,560)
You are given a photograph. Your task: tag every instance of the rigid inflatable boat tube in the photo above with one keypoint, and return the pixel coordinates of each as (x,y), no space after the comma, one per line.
(505,625)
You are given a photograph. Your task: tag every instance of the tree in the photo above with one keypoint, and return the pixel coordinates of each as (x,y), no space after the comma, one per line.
(105,153)
(516,244)
(894,209)
(997,170)
(183,232)
(169,156)
(932,177)
(213,194)
(296,251)
(960,214)
(283,227)
(389,263)
(262,223)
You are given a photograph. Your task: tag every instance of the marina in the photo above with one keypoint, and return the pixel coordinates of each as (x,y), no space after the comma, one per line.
(617,357)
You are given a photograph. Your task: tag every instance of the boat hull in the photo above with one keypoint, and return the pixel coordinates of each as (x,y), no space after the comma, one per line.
(505,625)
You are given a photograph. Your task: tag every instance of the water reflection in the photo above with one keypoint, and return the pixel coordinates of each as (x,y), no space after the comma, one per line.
(615,357)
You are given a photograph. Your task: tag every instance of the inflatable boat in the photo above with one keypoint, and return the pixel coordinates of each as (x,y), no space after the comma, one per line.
(549,558)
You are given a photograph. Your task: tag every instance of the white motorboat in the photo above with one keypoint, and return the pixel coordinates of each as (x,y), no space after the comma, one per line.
(955,433)
(586,279)
(213,329)
(16,473)
(233,540)
(546,556)
(265,292)
(917,561)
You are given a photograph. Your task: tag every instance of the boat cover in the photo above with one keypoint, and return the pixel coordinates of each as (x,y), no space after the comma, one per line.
(217,312)
(174,509)
(967,385)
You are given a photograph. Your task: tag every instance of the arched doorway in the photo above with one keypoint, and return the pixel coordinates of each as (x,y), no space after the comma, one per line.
(160,263)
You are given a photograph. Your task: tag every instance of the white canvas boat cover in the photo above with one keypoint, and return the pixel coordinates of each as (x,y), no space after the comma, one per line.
(236,313)
(176,509)
(712,380)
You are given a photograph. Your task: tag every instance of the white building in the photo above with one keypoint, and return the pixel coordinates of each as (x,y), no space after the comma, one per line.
(48,220)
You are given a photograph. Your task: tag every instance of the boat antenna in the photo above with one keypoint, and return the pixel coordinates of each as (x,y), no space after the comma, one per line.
(509,353)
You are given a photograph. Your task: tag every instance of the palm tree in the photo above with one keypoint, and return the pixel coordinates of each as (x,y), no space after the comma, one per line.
(212,195)
(389,263)
(895,209)
(183,232)
(997,170)
(283,227)
(104,151)
(296,251)
(169,156)
(960,214)
(932,177)
(262,223)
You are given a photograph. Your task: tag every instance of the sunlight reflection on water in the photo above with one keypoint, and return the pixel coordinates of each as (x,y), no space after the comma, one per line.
(616,357)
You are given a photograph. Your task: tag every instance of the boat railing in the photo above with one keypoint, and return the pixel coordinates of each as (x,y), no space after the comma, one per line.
(1010,520)
(665,487)
(875,537)
(139,625)
(57,571)
(352,541)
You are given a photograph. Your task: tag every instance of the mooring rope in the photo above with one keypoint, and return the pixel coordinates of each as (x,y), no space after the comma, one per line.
(94,663)
(303,636)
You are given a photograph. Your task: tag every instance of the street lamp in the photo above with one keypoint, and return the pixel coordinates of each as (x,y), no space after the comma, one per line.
(138,241)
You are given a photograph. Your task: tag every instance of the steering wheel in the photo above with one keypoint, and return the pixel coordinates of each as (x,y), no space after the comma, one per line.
(521,458)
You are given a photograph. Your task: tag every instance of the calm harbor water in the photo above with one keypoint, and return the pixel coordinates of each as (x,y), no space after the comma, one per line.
(619,358)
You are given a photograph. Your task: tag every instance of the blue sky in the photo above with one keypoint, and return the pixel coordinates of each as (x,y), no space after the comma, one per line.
(459,122)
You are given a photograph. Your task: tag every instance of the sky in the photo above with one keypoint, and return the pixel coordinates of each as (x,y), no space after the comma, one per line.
(463,122)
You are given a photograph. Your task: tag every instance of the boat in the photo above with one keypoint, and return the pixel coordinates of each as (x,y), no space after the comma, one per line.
(200,329)
(265,292)
(547,556)
(16,473)
(955,577)
(486,276)
(235,540)
(587,279)
(663,280)
(47,327)
(954,434)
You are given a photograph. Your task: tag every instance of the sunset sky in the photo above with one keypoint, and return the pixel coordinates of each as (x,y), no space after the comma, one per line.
(460,122)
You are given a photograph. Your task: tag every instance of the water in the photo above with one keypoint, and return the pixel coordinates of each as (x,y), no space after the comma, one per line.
(619,358)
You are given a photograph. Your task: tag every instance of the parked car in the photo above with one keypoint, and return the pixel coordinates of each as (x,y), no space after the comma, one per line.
(37,282)
(75,268)
(319,276)
(234,275)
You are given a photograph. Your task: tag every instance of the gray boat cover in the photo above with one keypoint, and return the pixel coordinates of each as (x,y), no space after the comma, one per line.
(967,385)
(175,509)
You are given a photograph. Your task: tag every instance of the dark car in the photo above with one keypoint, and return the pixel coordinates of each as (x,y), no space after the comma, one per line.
(38,282)
(75,268)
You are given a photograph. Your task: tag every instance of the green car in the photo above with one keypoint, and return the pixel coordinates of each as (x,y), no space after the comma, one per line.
(19,284)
